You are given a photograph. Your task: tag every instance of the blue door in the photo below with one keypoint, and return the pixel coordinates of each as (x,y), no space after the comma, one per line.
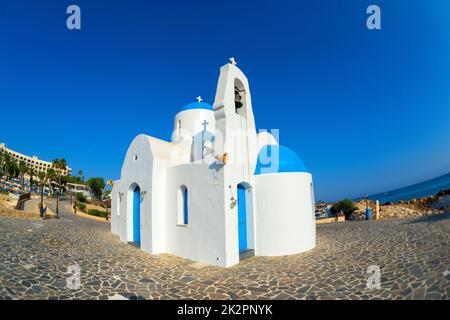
(137,215)
(242,219)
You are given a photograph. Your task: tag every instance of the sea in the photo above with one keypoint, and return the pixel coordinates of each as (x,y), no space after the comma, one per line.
(415,191)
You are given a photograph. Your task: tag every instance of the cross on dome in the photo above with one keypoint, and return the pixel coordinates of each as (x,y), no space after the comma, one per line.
(199,99)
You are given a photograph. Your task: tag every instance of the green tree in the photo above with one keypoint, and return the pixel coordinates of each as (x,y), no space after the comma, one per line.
(81,175)
(5,160)
(51,176)
(346,206)
(81,198)
(31,174)
(96,185)
(2,166)
(43,177)
(23,170)
(72,179)
(8,166)
(59,165)
(2,159)
(12,169)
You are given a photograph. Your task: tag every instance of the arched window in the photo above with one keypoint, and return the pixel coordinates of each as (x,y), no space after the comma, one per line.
(183,210)
(239,98)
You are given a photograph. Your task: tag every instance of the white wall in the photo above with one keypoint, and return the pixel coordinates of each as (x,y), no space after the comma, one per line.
(145,164)
(117,221)
(284,222)
(137,169)
(203,239)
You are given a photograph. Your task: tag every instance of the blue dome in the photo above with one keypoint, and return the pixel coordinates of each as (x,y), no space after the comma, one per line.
(197,105)
(288,160)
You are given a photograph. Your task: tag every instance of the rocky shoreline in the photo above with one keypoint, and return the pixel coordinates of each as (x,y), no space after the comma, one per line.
(439,203)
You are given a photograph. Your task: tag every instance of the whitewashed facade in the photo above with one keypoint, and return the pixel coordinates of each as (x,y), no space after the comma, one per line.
(218,191)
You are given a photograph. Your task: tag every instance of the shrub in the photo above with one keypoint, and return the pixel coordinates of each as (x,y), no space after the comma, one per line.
(346,206)
(96,185)
(81,206)
(97,213)
(81,197)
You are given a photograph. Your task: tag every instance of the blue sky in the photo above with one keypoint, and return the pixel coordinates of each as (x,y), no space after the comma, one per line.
(367,111)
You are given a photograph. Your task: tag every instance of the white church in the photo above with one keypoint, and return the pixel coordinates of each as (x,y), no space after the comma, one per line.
(218,192)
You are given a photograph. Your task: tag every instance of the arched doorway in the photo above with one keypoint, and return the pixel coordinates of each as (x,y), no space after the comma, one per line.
(243,207)
(137,215)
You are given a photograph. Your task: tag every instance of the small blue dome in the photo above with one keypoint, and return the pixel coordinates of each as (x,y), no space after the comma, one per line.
(288,160)
(197,105)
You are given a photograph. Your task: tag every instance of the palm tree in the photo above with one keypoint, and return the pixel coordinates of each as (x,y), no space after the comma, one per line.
(32,174)
(2,166)
(59,165)
(23,170)
(13,169)
(42,180)
(51,176)
(1,162)
(6,164)
(80,174)
(5,160)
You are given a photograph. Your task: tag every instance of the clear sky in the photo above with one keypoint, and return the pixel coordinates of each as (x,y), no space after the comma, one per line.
(366,110)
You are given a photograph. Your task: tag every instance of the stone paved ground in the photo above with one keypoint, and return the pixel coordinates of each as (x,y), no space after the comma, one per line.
(413,256)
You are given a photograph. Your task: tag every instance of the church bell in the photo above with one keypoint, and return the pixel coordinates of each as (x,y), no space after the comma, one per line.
(237,99)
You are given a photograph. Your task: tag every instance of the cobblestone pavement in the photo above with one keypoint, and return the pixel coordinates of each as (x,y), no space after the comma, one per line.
(413,256)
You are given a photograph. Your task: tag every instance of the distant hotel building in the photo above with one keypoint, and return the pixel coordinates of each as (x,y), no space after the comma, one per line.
(34,162)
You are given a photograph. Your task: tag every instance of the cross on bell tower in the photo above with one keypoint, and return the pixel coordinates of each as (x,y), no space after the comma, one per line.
(233,61)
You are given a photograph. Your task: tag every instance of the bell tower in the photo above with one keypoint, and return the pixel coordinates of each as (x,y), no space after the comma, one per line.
(235,137)
(235,124)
